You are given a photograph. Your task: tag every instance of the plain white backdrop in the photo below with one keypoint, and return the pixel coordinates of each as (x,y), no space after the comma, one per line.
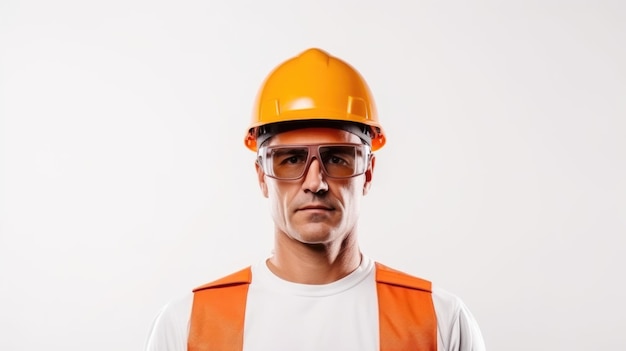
(124,181)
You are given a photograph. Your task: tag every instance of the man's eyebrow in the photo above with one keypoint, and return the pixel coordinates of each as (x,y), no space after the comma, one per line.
(338,150)
(289,150)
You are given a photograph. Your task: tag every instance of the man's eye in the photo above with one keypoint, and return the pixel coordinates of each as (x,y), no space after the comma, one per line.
(293,159)
(336,160)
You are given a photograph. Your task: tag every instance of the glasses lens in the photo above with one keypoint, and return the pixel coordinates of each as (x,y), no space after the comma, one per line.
(343,161)
(290,162)
(287,162)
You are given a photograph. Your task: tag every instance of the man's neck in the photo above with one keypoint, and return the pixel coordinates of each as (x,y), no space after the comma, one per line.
(302,263)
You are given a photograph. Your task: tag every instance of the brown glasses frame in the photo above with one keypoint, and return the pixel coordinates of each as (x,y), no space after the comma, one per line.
(313,152)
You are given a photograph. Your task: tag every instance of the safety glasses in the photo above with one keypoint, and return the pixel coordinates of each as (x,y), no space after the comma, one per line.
(291,162)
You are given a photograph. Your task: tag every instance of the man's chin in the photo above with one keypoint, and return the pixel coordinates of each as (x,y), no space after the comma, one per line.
(315,234)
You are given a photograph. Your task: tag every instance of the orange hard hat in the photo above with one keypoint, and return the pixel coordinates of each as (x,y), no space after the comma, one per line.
(310,88)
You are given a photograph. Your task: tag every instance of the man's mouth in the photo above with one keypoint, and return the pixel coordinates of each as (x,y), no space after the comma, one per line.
(315,207)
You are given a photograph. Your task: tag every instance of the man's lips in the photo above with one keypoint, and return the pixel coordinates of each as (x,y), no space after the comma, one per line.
(315,207)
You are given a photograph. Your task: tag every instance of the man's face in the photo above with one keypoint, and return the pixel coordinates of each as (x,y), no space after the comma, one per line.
(315,209)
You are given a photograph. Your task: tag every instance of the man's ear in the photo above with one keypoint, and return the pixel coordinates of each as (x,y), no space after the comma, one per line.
(261,177)
(369,173)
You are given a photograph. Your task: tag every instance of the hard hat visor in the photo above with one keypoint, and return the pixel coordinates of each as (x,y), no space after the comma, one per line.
(267,131)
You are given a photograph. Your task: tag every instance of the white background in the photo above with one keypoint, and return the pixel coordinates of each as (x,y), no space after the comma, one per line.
(124,181)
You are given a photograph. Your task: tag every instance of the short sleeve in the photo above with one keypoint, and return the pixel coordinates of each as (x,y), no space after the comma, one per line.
(457,328)
(170,328)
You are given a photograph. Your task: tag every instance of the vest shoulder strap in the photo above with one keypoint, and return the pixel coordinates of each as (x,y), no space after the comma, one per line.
(406,313)
(391,276)
(217,314)
(243,276)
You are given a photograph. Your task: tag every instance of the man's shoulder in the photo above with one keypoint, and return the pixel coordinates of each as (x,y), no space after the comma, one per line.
(442,298)
(456,320)
(446,299)
(169,328)
(177,308)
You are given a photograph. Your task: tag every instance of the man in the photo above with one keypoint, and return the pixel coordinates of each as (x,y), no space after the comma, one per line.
(314,130)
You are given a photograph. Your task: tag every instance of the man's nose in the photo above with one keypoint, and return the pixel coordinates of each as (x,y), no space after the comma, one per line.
(314,179)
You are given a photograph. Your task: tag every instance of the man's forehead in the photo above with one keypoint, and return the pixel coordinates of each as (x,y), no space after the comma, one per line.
(313,135)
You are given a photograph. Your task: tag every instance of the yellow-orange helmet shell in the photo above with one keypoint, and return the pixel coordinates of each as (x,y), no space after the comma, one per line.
(315,86)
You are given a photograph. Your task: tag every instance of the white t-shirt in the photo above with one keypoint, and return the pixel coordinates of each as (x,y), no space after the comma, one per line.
(342,316)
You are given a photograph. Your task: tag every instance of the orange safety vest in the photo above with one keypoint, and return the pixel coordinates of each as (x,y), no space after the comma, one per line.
(405,310)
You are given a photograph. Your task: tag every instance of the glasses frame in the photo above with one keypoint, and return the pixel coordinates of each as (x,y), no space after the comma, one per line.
(313,152)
